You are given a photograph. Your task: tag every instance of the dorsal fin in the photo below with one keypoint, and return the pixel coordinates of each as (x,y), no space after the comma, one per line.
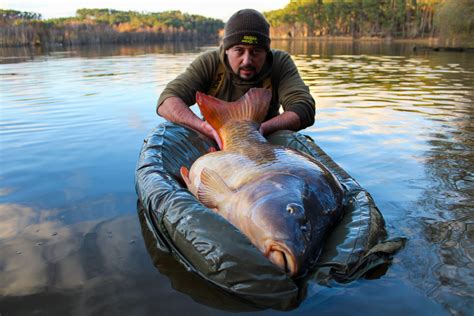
(253,106)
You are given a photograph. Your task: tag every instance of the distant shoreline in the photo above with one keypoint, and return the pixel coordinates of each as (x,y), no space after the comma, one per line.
(434,40)
(422,43)
(425,41)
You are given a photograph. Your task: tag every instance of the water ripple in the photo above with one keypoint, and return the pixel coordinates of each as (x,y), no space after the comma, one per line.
(72,122)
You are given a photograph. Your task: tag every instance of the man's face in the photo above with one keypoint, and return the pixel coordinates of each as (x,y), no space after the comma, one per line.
(246,61)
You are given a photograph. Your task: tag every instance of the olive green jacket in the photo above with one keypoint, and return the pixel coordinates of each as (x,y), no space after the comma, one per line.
(288,89)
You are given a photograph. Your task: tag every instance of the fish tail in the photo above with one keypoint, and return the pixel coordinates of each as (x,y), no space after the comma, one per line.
(253,106)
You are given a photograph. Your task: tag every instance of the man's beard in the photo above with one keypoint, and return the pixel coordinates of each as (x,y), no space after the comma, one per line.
(247,67)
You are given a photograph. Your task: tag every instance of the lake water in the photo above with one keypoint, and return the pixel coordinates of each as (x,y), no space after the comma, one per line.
(72,123)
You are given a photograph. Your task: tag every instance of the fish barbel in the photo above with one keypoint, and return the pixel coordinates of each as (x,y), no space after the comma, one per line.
(284,201)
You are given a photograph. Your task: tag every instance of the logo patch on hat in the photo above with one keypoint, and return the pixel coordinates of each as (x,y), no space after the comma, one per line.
(249,39)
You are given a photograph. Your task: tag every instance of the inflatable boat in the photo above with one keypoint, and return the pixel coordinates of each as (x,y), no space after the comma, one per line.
(212,248)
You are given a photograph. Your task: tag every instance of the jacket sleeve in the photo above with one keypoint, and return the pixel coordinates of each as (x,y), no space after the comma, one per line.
(293,94)
(197,77)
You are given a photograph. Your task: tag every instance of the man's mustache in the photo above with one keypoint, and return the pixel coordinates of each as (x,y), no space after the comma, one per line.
(247,67)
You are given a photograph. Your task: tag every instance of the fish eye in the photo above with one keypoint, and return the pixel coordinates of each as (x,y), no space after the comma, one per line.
(293,208)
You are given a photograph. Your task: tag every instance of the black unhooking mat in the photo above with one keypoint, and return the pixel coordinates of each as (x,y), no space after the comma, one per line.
(208,245)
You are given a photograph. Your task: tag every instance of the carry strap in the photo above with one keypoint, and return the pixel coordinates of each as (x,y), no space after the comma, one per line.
(267,83)
(219,81)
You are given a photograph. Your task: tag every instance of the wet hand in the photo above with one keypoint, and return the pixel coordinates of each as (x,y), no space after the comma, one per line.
(209,131)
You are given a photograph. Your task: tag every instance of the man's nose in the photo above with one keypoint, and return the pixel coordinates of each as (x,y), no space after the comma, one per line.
(247,58)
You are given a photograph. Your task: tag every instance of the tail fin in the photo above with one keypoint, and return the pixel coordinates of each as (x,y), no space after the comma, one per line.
(253,106)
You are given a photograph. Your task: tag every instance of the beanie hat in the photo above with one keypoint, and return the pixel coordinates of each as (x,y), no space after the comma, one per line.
(247,27)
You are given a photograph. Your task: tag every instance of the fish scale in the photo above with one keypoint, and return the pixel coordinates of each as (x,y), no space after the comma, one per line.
(284,201)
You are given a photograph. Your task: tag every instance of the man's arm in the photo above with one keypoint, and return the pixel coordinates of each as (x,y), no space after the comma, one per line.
(286,120)
(294,96)
(175,110)
(180,92)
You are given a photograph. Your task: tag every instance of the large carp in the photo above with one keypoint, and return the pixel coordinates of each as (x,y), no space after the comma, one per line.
(284,201)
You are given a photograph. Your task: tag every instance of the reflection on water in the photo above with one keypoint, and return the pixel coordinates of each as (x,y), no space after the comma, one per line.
(411,119)
(448,218)
(341,47)
(187,282)
(21,54)
(72,123)
(41,254)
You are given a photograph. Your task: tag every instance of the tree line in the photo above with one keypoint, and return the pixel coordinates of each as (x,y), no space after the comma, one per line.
(373,18)
(299,19)
(101,26)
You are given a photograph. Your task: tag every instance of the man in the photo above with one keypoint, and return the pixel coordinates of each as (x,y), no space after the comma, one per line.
(244,61)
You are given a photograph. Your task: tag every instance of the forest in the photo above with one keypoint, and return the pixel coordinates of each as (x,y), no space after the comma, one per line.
(374,18)
(105,26)
(380,19)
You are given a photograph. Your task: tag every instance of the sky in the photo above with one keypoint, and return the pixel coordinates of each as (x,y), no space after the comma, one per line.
(210,8)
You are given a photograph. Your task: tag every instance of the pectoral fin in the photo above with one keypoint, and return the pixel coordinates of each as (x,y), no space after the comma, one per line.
(212,190)
(185,175)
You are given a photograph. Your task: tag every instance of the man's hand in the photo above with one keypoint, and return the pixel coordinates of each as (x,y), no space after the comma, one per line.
(175,110)
(286,120)
(209,131)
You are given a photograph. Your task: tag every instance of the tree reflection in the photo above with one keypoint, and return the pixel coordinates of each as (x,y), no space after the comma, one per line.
(82,268)
(445,208)
(22,54)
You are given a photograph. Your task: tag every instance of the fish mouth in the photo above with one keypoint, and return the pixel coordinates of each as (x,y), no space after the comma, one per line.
(281,255)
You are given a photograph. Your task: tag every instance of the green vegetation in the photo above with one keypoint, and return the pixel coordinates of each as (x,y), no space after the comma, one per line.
(452,20)
(99,26)
(373,18)
(455,20)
